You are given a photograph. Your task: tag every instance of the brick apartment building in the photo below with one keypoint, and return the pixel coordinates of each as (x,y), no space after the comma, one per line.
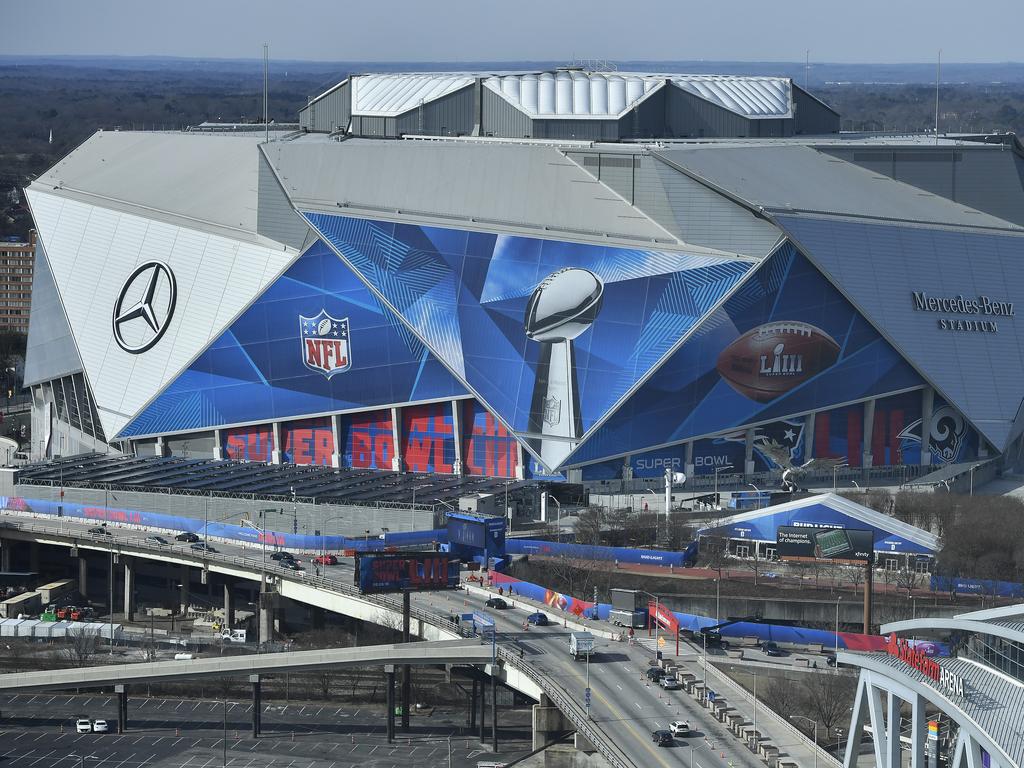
(16,267)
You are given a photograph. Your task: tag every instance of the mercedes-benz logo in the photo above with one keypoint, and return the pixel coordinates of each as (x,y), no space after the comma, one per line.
(144,307)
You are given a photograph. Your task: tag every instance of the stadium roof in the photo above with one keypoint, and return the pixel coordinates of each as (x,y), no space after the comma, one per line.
(570,93)
(826,510)
(793,178)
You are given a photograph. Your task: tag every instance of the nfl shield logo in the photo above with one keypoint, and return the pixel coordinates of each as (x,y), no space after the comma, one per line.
(552,411)
(324,341)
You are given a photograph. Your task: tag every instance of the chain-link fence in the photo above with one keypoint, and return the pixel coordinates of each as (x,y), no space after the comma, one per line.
(283,516)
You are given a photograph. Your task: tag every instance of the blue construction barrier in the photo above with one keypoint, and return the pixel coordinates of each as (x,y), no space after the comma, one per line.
(593,552)
(989,587)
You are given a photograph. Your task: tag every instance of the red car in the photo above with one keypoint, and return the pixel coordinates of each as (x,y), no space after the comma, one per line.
(326,560)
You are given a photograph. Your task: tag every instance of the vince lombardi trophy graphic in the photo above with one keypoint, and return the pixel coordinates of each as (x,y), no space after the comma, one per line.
(562,307)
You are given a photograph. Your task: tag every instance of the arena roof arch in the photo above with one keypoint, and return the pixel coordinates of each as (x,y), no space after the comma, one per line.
(827,510)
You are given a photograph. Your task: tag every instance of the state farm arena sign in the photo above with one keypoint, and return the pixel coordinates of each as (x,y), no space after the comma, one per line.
(948,682)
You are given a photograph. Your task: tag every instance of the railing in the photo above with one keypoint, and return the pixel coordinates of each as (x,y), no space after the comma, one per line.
(559,696)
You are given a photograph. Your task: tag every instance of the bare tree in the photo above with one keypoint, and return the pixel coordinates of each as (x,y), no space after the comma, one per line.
(909,580)
(784,697)
(829,696)
(713,552)
(588,526)
(81,647)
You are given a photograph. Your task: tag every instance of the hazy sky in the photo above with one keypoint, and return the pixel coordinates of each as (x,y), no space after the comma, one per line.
(453,30)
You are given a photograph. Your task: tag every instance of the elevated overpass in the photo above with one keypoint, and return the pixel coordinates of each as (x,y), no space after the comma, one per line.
(624,708)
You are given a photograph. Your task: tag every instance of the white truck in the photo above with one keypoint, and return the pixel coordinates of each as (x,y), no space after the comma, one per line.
(581,644)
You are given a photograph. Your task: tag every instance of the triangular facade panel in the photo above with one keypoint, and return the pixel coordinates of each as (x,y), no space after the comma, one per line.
(107,263)
(786,342)
(946,298)
(316,341)
(50,350)
(550,335)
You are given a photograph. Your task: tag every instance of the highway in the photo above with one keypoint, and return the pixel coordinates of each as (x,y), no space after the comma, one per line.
(625,707)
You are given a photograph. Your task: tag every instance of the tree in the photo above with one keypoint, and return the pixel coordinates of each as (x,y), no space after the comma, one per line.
(713,552)
(588,526)
(784,697)
(81,647)
(829,696)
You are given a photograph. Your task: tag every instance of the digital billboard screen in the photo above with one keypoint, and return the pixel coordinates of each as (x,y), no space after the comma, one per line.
(405,572)
(811,543)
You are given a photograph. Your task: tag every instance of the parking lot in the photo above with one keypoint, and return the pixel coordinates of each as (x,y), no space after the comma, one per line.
(180,733)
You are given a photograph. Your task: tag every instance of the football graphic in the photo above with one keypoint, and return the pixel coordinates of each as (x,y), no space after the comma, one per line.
(564,305)
(772,359)
(323,327)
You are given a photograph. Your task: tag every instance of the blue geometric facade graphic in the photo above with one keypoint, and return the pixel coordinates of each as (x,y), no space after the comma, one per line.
(257,369)
(466,296)
(690,395)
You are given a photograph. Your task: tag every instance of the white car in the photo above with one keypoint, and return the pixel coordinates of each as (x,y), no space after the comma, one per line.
(100,726)
(83,725)
(680,727)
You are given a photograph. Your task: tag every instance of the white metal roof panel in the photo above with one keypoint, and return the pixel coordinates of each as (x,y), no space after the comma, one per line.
(752,97)
(93,250)
(574,94)
(394,94)
(206,177)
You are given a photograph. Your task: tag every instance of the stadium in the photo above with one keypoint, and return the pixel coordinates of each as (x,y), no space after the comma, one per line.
(570,274)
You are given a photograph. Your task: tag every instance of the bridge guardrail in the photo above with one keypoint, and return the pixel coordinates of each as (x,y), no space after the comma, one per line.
(559,696)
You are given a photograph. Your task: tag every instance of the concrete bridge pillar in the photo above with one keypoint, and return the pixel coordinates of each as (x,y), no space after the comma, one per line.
(229,603)
(33,556)
(129,589)
(83,573)
(183,578)
(122,707)
(548,721)
(6,547)
(389,671)
(266,618)
(257,705)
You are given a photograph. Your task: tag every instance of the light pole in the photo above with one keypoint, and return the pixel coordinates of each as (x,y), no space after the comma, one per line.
(414,489)
(815,724)
(758,492)
(973,467)
(718,504)
(718,601)
(558,523)
(835,474)
(449,506)
(508,511)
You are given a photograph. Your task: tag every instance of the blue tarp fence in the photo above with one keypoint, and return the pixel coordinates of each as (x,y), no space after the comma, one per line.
(592,552)
(988,587)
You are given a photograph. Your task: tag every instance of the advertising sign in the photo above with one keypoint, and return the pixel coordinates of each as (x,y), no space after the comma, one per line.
(406,571)
(471,533)
(814,543)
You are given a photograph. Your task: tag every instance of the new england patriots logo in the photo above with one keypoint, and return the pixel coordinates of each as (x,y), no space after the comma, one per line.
(325,343)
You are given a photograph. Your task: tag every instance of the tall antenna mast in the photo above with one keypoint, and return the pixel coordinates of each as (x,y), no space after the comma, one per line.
(938,70)
(266,121)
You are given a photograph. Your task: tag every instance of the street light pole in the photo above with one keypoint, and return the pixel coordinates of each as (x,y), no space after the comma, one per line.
(835,472)
(838,601)
(815,724)
(718,504)
(758,492)
(718,601)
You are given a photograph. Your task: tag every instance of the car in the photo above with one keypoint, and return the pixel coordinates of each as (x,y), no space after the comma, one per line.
(670,683)
(290,565)
(538,619)
(662,738)
(325,560)
(83,725)
(202,546)
(655,673)
(99,530)
(157,540)
(680,727)
(100,726)
(188,537)
(281,555)
(496,602)
(771,648)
